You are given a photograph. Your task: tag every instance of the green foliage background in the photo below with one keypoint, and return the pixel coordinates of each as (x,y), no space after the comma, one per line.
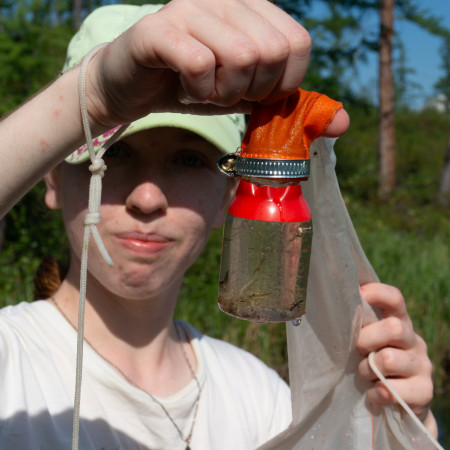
(407,240)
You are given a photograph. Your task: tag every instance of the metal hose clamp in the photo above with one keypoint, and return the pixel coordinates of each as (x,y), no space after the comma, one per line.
(234,165)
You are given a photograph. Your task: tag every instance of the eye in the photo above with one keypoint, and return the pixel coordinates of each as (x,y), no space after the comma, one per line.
(190,160)
(116,151)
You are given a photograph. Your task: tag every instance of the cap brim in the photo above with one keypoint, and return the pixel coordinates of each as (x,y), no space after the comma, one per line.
(224,132)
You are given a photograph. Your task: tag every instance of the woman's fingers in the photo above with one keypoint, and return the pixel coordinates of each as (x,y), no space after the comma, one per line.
(395,329)
(417,393)
(236,58)
(399,353)
(259,52)
(299,48)
(202,56)
(391,362)
(387,298)
(391,331)
(339,125)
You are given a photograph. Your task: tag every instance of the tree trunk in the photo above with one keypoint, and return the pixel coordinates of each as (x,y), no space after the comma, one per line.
(386,126)
(444,186)
(77,9)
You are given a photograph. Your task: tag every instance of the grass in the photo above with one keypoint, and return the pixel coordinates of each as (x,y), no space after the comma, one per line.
(415,258)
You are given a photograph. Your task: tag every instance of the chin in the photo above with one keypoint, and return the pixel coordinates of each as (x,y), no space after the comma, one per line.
(142,285)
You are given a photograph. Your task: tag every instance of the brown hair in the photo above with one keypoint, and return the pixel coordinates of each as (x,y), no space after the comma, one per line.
(49,276)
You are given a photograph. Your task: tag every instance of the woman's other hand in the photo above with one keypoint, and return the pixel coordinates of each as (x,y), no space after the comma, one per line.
(400,354)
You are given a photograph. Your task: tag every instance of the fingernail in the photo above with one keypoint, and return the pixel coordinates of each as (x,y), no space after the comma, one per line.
(187,99)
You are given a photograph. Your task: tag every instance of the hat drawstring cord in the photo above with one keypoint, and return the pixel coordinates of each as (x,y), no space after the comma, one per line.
(92,218)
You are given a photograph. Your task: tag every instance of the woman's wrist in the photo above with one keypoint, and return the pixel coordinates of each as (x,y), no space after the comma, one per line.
(99,116)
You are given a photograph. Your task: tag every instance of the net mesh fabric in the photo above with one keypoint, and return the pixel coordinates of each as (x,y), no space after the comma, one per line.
(330,410)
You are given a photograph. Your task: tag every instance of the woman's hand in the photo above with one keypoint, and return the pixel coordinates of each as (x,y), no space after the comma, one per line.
(198,56)
(400,354)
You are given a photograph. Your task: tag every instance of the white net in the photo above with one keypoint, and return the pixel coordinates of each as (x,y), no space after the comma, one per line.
(330,410)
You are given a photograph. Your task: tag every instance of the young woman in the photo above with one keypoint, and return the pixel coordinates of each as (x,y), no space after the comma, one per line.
(150,382)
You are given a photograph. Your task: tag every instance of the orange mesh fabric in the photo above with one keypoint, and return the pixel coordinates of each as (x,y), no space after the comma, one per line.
(286,129)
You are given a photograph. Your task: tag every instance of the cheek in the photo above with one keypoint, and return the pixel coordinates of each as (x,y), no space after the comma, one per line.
(197,218)
(204,196)
(74,206)
(195,212)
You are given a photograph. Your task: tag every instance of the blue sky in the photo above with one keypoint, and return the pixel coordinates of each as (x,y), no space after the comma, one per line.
(423,48)
(422,52)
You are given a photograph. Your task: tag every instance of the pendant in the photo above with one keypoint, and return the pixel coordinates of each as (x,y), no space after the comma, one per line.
(188,448)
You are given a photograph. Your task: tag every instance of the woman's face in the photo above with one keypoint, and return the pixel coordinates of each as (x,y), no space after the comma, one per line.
(161,196)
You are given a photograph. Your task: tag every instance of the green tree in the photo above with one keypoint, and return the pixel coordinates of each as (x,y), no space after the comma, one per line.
(343,32)
(32,47)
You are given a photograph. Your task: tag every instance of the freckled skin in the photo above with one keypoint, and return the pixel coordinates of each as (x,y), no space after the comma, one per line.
(44,145)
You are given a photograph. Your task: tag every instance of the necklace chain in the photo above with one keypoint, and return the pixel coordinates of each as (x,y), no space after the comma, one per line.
(186,439)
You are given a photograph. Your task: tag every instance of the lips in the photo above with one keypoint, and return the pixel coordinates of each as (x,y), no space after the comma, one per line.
(143,243)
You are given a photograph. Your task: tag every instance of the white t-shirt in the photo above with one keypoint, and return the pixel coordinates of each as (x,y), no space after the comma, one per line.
(243,402)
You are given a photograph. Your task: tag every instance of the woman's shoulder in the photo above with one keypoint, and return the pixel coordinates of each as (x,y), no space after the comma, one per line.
(25,311)
(25,322)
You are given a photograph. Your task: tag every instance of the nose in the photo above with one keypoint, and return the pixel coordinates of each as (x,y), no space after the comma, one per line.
(146,197)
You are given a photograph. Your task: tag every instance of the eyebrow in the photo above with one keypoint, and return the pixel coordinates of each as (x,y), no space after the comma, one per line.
(190,135)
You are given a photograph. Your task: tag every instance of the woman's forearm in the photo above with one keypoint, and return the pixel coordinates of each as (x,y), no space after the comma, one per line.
(37,136)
